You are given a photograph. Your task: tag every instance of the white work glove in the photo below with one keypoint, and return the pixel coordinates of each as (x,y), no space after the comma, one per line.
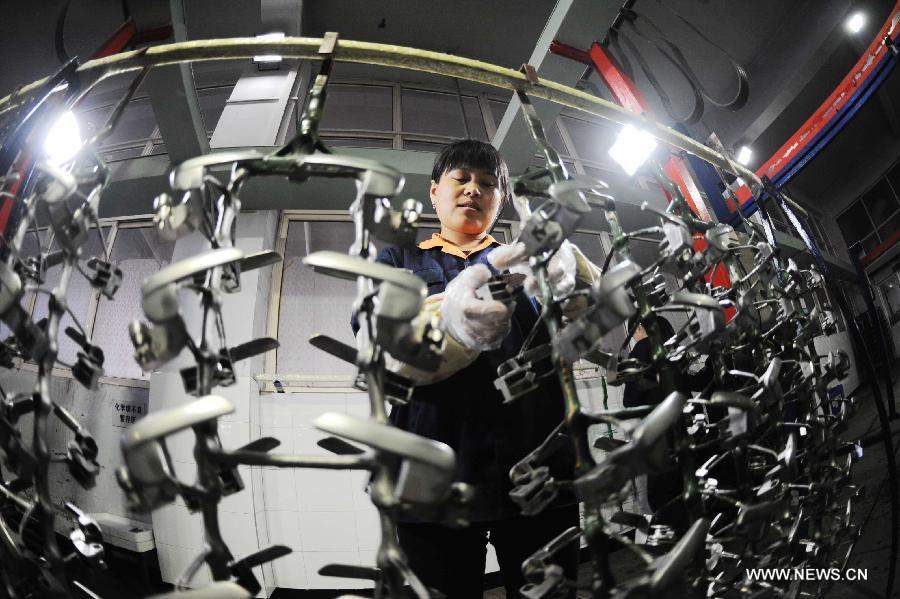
(561,269)
(476,323)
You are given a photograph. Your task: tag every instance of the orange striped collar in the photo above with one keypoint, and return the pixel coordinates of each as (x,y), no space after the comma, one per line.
(448,247)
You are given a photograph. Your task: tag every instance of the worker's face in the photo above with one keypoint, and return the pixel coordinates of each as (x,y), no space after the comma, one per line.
(466,200)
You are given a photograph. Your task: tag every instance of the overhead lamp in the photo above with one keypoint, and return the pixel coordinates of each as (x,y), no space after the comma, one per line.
(744,155)
(632,148)
(63,139)
(855,23)
(269,60)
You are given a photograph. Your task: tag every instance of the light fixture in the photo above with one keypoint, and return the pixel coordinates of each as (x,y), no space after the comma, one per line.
(269,59)
(855,23)
(632,148)
(744,155)
(63,139)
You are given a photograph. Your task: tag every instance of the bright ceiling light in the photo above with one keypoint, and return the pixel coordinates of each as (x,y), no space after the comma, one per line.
(632,148)
(269,57)
(855,23)
(63,140)
(744,155)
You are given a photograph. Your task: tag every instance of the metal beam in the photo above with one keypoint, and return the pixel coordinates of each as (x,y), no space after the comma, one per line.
(575,22)
(172,92)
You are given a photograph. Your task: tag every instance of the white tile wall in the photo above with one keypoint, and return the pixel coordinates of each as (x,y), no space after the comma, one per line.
(358,405)
(290,571)
(175,525)
(275,411)
(261,517)
(368,529)
(239,395)
(268,578)
(287,437)
(367,559)
(361,500)
(323,516)
(328,531)
(319,490)
(180,534)
(239,533)
(305,407)
(314,560)
(240,503)
(310,511)
(284,528)
(306,440)
(279,489)
(234,434)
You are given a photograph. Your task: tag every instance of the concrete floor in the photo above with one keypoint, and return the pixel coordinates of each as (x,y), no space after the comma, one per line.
(872,514)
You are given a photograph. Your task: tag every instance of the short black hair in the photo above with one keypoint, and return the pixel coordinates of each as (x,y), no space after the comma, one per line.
(473,154)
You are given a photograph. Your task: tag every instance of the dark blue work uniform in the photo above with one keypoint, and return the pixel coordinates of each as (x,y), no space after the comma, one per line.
(467,412)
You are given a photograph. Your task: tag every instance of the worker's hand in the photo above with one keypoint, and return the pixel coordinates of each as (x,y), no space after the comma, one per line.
(476,323)
(561,269)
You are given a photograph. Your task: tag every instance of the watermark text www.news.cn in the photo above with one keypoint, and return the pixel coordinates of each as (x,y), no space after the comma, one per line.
(806,574)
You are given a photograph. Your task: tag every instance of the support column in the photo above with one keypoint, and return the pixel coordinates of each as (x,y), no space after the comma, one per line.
(171,89)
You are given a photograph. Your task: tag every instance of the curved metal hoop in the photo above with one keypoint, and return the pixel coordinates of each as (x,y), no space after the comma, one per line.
(389,56)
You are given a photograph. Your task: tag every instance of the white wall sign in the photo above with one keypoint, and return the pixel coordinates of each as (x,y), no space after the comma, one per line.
(126,412)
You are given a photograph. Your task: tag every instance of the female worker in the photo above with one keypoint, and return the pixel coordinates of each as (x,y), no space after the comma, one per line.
(459,405)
